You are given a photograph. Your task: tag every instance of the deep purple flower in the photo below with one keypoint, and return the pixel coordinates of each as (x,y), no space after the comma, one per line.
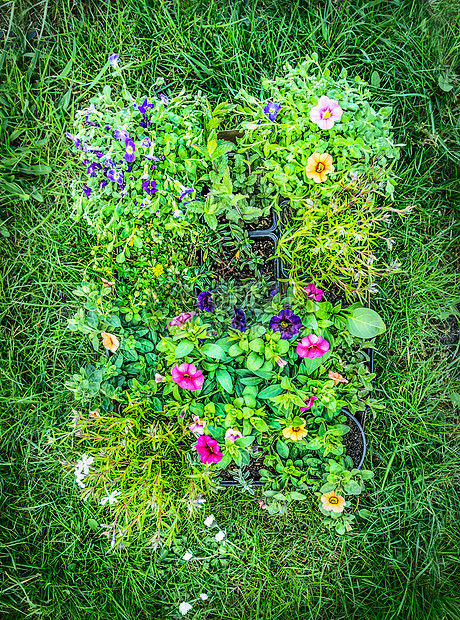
(121,134)
(98,154)
(146,142)
(103,183)
(144,105)
(113,59)
(106,126)
(239,320)
(130,153)
(129,168)
(205,302)
(90,111)
(187,190)
(272,110)
(87,191)
(91,169)
(115,176)
(150,187)
(274,292)
(287,323)
(164,99)
(75,139)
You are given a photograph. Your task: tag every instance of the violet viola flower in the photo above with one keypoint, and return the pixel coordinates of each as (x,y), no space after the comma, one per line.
(146,142)
(113,59)
(308,404)
(130,153)
(150,187)
(312,346)
(208,449)
(272,110)
(108,162)
(121,134)
(288,323)
(188,376)
(315,294)
(326,113)
(197,426)
(239,320)
(102,183)
(164,99)
(87,191)
(98,154)
(205,302)
(187,190)
(144,105)
(182,318)
(75,139)
(91,169)
(115,176)
(274,292)
(177,213)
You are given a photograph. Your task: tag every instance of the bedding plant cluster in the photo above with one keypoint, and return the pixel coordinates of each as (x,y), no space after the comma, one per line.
(208,367)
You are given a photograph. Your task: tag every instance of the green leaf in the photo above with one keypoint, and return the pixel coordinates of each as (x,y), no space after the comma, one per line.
(313,364)
(92,319)
(113,320)
(225,380)
(235,350)
(93,524)
(257,345)
(259,424)
(352,488)
(214,351)
(375,79)
(184,348)
(226,460)
(244,442)
(444,83)
(298,496)
(364,513)
(270,391)
(282,449)
(365,323)
(254,361)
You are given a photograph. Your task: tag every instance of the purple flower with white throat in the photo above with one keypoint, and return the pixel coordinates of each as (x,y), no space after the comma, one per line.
(205,302)
(164,99)
(90,110)
(150,187)
(91,169)
(121,134)
(75,139)
(272,110)
(197,426)
(108,162)
(113,59)
(326,113)
(146,142)
(233,434)
(116,176)
(287,323)
(130,152)
(239,320)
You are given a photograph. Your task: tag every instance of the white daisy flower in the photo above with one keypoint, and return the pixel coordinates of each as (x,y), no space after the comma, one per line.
(220,536)
(111,498)
(184,608)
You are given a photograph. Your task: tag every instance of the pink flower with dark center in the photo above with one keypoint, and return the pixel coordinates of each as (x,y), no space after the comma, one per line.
(308,403)
(315,294)
(182,318)
(326,113)
(233,434)
(312,346)
(197,426)
(188,376)
(208,449)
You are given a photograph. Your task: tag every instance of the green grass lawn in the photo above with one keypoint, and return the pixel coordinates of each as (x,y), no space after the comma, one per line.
(404,561)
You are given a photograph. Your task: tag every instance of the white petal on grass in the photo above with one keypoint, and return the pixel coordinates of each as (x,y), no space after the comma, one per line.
(184,608)
(187,556)
(111,498)
(209,520)
(203,596)
(220,536)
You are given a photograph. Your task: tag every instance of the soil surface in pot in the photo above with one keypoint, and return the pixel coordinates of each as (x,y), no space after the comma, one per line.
(263,223)
(228,266)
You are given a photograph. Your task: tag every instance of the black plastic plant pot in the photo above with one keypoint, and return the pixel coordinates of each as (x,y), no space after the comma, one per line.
(357,445)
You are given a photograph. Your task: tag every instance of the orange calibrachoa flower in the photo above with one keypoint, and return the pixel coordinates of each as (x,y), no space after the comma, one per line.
(110,342)
(318,166)
(296,433)
(333,502)
(336,378)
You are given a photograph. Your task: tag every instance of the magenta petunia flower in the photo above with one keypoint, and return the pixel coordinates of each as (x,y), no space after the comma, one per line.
(208,449)
(182,318)
(197,426)
(312,346)
(188,376)
(308,404)
(326,113)
(315,294)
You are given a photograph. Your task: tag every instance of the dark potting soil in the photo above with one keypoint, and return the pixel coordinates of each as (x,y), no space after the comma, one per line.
(263,223)
(227,266)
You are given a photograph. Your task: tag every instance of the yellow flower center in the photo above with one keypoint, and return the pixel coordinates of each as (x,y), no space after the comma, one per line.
(284,324)
(327,114)
(334,500)
(320,166)
(296,429)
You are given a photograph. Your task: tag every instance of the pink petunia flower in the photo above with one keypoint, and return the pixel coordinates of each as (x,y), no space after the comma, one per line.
(312,346)
(182,318)
(308,403)
(233,434)
(208,449)
(188,376)
(281,363)
(197,426)
(326,113)
(315,294)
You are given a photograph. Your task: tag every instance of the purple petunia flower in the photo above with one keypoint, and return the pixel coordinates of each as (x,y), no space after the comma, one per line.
(150,187)
(130,153)
(205,302)
(75,139)
(146,142)
(187,190)
(164,99)
(87,191)
(274,292)
(116,176)
(144,105)
(287,323)
(113,59)
(239,320)
(91,169)
(121,134)
(272,110)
